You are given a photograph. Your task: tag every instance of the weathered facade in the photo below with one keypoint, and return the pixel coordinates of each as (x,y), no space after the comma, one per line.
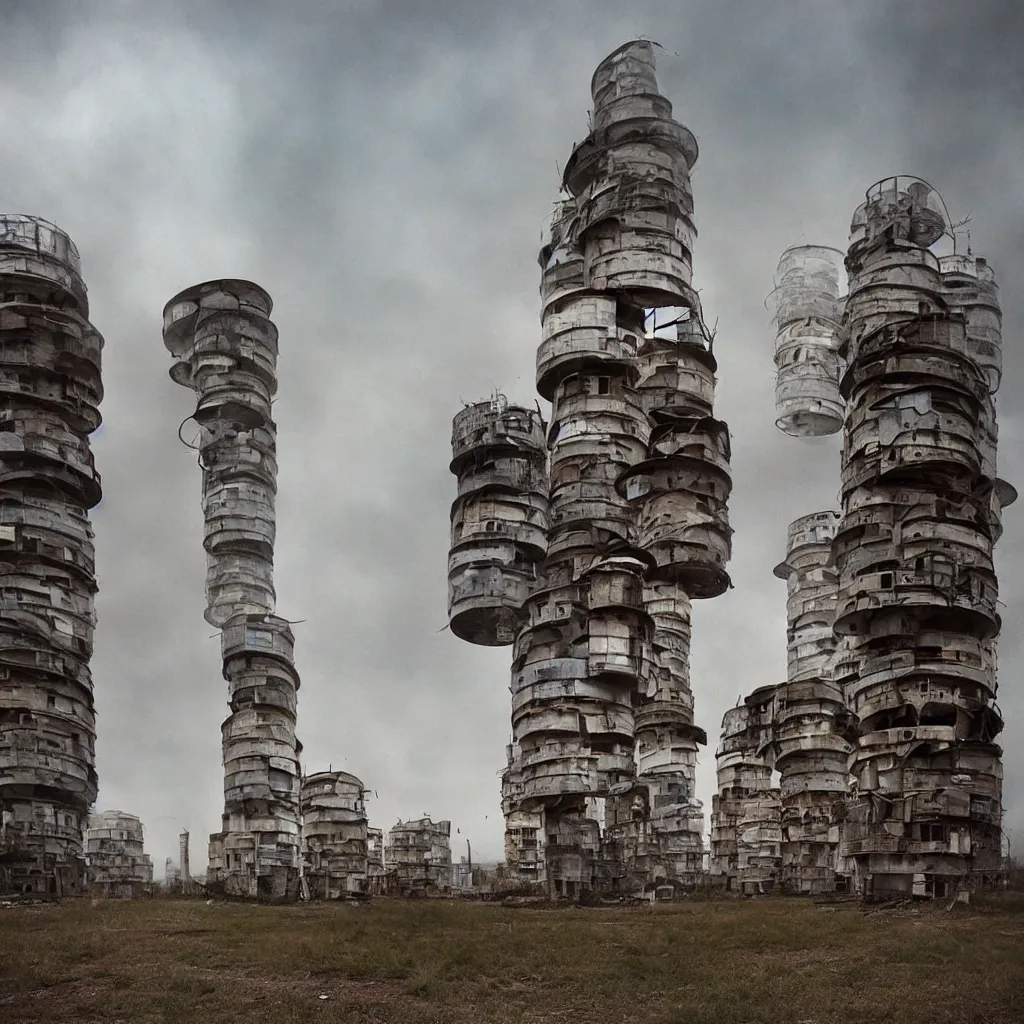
(620,514)
(524,829)
(187,883)
(116,864)
(499,521)
(746,830)
(811,727)
(225,348)
(808,309)
(172,876)
(334,835)
(917,598)
(50,389)
(376,876)
(418,857)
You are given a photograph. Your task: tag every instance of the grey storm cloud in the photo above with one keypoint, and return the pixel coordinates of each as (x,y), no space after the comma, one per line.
(384,169)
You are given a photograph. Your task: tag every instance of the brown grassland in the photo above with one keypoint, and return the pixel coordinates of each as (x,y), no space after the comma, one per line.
(769,961)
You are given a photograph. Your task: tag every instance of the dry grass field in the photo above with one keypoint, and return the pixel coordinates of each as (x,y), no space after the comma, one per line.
(771,961)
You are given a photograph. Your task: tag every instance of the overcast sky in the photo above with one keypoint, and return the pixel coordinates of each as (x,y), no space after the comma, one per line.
(383,169)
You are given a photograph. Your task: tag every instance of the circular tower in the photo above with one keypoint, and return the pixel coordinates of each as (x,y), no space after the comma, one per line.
(334,834)
(50,386)
(225,345)
(809,736)
(917,598)
(499,519)
(807,363)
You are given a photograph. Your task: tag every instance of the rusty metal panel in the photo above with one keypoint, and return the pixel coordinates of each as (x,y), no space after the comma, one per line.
(51,389)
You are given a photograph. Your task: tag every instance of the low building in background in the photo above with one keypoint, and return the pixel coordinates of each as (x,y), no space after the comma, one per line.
(334,835)
(418,857)
(116,864)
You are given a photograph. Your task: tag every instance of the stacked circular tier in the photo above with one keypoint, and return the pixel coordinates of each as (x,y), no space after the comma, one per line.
(575,671)
(499,521)
(969,288)
(677,374)
(118,866)
(226,347)
(334,826)
(807,362)
(620,245)
(917,598)
(671,825)
(745,831)
(582,330)
(676,385)
(682,491)
(809,738)
(261,755)
(618,260)
(50,387)
(631,178)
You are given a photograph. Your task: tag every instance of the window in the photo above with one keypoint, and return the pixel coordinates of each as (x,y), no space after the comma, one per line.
(933,832)
(602,385)
(885,580)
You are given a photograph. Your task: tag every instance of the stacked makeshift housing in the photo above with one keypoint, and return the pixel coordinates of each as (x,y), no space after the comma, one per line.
(334,821)
(921,513)
(807,362)
(745,832)
(499,520)
(117,865)
(50,388)
(418,857)
(600,776)
(524,845)
(810,743)
(226,347)
(681,495)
